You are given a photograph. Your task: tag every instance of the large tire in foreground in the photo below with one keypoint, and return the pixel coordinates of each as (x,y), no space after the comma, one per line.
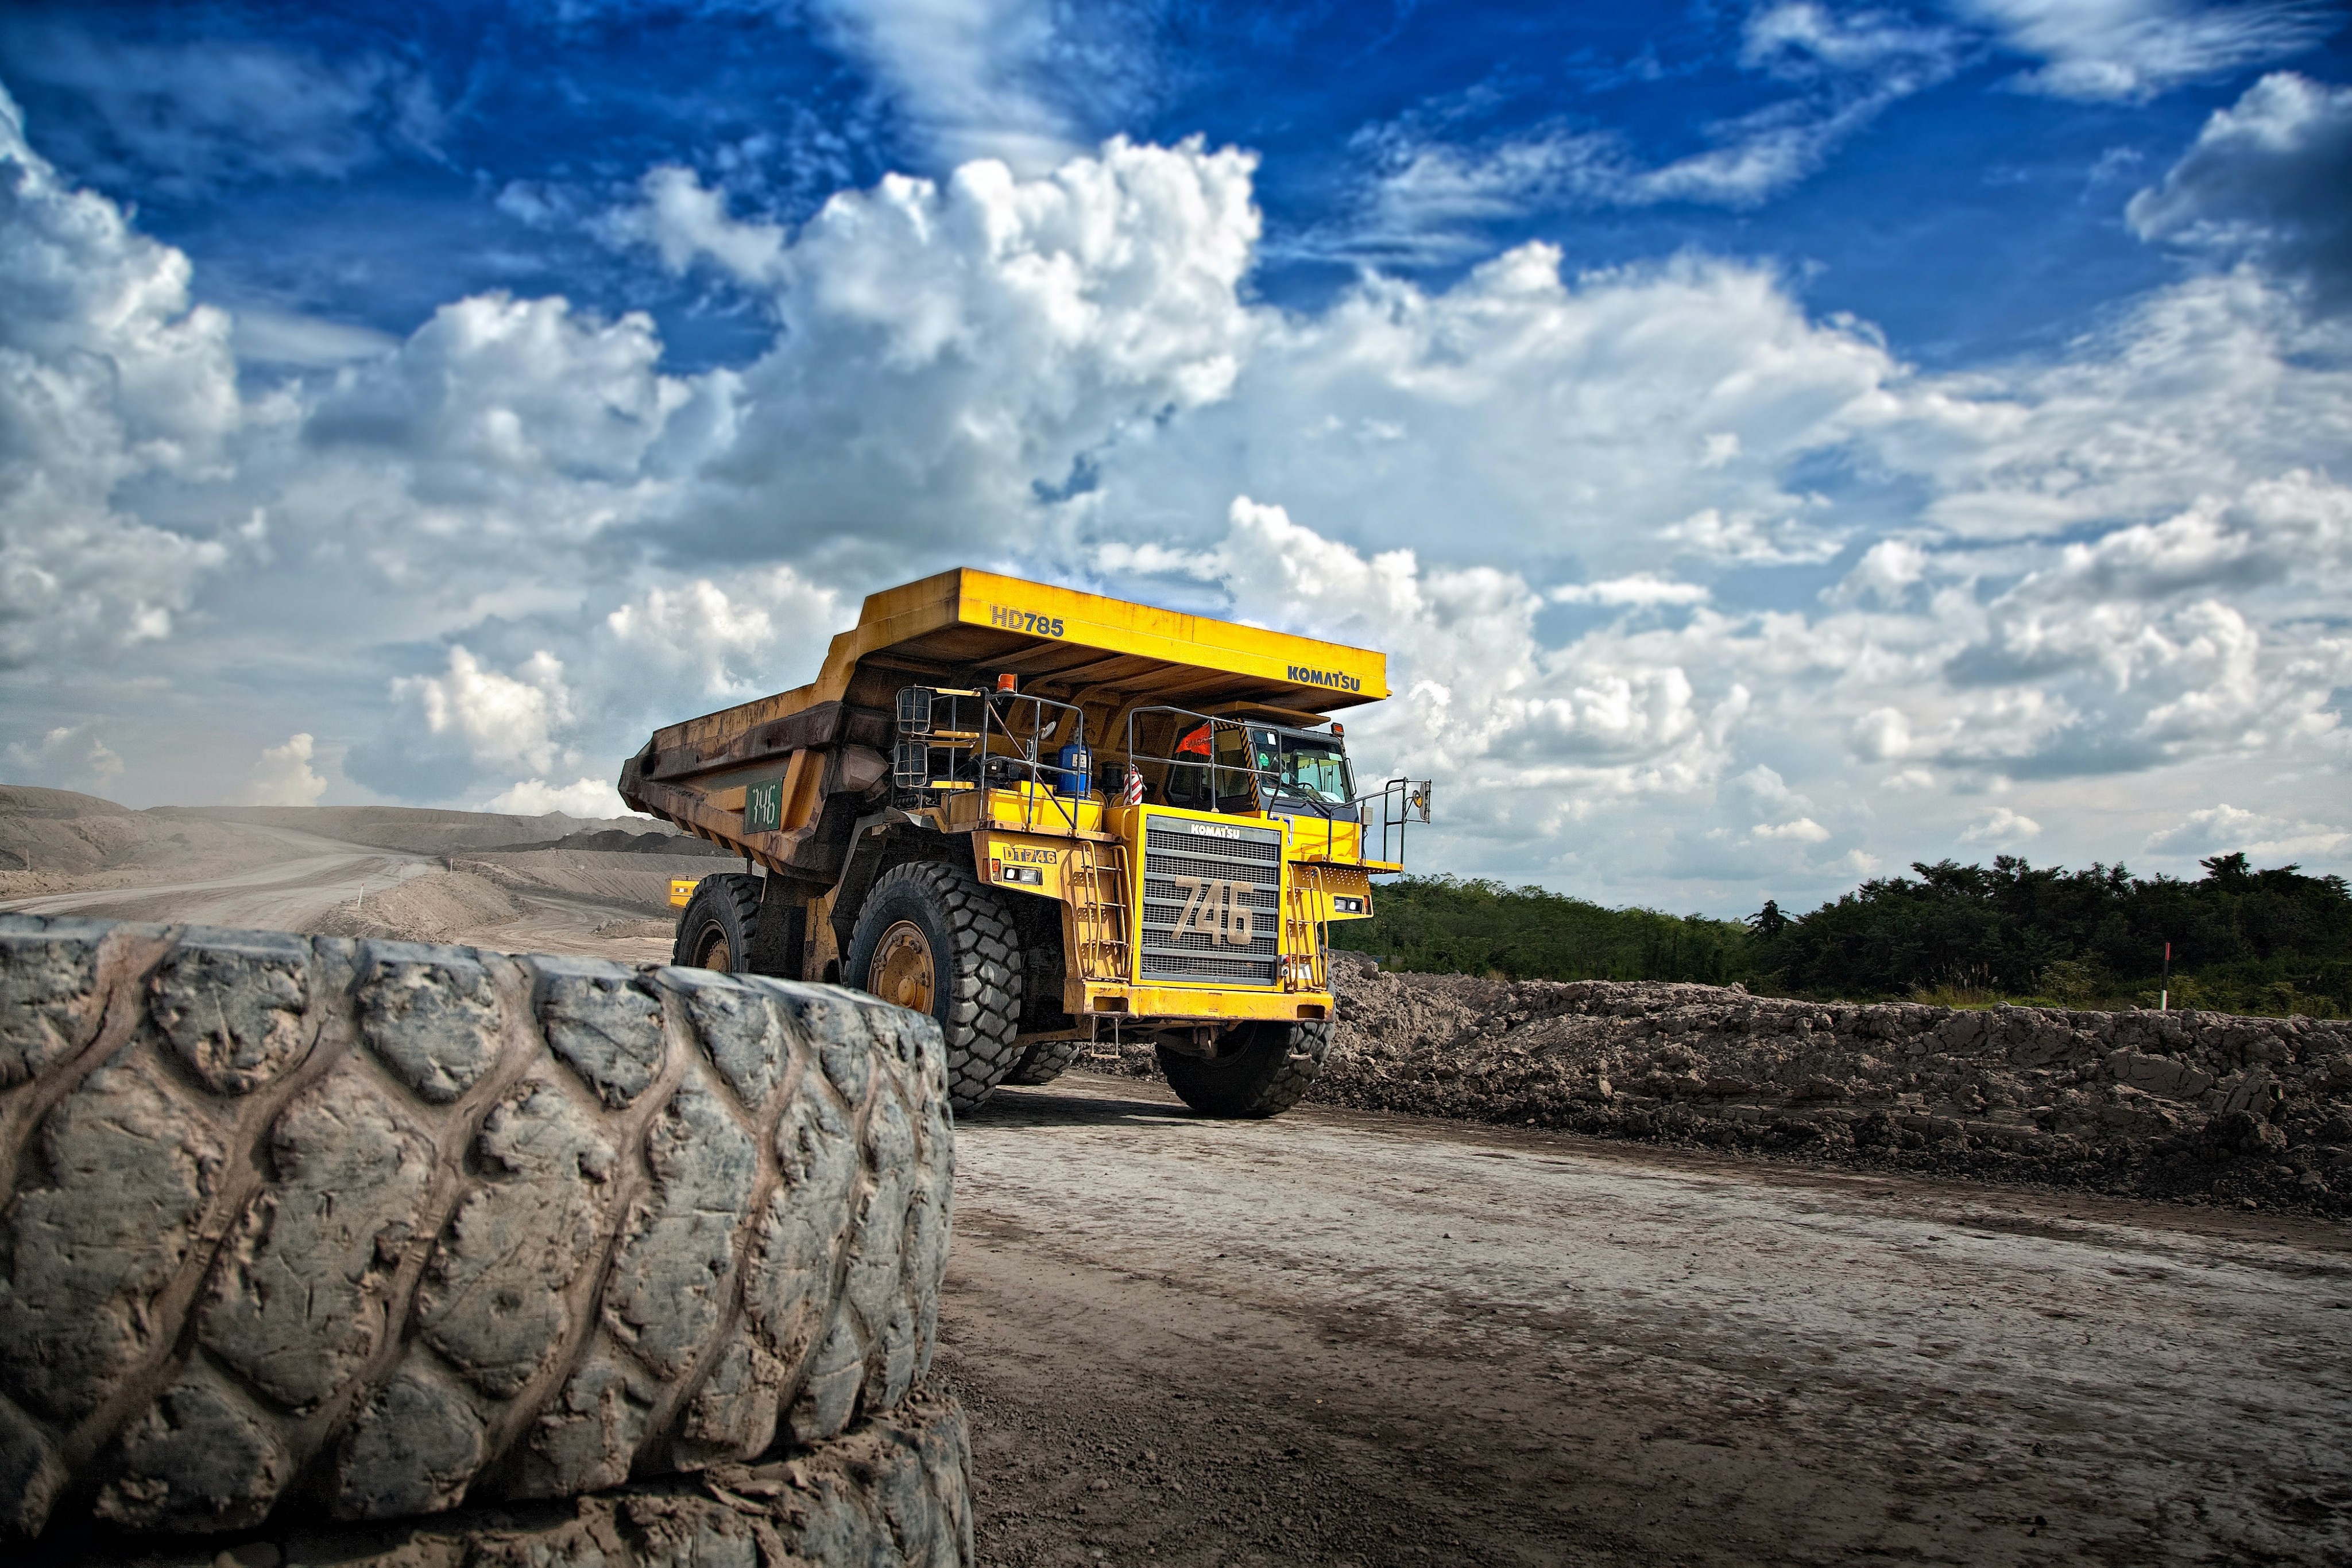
(716,928)
(932,936)
(893,1491)
(377,1228)
(1262,1070)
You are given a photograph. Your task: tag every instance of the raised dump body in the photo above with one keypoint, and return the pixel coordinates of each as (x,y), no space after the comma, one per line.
(1048,817)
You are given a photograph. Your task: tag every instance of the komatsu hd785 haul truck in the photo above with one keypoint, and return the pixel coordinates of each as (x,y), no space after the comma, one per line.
(1048,819)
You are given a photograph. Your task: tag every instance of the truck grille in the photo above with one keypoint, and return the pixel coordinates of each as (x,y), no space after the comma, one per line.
(1237,873)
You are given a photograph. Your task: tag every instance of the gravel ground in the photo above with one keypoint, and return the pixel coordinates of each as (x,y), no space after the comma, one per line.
(1351,1337)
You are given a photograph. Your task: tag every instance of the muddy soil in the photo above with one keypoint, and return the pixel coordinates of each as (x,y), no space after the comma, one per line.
(1349,1337)
(2199,1106)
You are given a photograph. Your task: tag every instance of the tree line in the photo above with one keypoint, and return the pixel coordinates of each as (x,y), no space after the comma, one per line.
(2242,940)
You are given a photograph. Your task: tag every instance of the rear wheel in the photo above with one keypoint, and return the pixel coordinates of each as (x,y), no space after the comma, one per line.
(1260,1069)
(934,937)
(715,930)
(1044,1060)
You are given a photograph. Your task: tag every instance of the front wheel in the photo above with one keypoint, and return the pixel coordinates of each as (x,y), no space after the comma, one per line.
(1260,1069)
(934,937)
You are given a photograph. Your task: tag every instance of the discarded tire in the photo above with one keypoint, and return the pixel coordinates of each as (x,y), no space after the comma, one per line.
(1263,1071)
(890,1491)
(304,1224)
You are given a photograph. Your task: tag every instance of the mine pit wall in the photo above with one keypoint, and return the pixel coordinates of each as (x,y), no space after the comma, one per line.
(2253,1111)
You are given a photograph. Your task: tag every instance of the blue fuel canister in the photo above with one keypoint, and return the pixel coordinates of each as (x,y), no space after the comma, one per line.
(1075,772)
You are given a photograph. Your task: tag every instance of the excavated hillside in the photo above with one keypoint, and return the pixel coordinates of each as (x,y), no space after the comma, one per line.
(2185,1105)
(51,838)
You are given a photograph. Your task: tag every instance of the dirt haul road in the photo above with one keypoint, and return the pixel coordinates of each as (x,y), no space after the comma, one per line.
(331,885)
(1342,1337)
(283,895)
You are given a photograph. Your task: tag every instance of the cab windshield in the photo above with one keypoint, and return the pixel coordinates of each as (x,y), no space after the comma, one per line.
(1287,764)
(1307,767)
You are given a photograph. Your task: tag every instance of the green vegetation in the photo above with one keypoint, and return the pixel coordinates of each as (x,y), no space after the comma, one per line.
(1439,924)
(2266,942)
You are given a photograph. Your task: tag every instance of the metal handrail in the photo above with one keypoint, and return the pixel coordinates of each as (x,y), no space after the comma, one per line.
(1256,776)
(1402,802)
(918,727)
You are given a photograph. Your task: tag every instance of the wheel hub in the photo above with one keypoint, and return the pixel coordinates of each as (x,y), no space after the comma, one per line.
(903,969)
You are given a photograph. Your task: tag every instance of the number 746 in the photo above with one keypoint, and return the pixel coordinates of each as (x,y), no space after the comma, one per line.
(1216,908)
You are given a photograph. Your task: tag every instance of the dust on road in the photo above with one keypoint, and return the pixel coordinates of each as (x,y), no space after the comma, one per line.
(1348,1337)
(286,894)
(331,885)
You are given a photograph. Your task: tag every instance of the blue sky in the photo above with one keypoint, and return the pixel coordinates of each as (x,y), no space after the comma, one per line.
(1966,217)
(1779,441)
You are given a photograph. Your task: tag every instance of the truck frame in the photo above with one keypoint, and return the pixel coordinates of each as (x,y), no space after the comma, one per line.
(1052,820)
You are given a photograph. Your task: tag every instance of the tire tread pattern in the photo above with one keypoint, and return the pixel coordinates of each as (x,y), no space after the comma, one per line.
(892,1492)
(734,897)
(1268,1075)
(983,1000)
(1044,1060)
(393,1227)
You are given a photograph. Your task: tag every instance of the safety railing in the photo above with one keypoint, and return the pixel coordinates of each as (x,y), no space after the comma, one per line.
(1250,782)
(947,738)
(1387,810)
(1401,801)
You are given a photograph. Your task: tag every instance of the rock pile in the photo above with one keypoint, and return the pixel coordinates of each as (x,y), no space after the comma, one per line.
(2185,1105)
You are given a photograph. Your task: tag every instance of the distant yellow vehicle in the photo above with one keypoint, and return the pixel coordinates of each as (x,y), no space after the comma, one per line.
(1048,817)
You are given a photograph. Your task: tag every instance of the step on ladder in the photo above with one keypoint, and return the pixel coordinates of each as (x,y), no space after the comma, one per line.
(1303,933)
(1099,913)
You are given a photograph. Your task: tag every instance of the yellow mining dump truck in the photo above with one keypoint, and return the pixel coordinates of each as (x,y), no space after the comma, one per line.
(1048,819)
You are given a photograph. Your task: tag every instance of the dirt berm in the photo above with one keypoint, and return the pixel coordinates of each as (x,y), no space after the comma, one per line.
(301,1228)
(419,831)
(2182,1105)
(59,832)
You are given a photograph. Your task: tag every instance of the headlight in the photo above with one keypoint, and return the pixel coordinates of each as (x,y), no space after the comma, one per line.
(1021,873)
(1346,906)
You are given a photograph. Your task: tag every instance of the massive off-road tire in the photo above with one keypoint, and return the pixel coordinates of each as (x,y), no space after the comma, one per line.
(303,1222)
(1044,1060)
(716,928)
(932,936)
(893,1491)
(1262,1070)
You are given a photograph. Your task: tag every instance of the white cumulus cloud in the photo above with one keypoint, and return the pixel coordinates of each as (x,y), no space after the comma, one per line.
(284,776)
(1643,588)
(2004,826)
(109,374)
(590,798)
(2268,840)
(503,720)
(2266,178)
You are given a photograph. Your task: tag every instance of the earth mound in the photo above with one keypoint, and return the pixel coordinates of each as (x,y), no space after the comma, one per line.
(2190,1105)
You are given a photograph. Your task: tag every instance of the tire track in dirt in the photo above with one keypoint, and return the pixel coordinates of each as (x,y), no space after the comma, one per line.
(1351,1337)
